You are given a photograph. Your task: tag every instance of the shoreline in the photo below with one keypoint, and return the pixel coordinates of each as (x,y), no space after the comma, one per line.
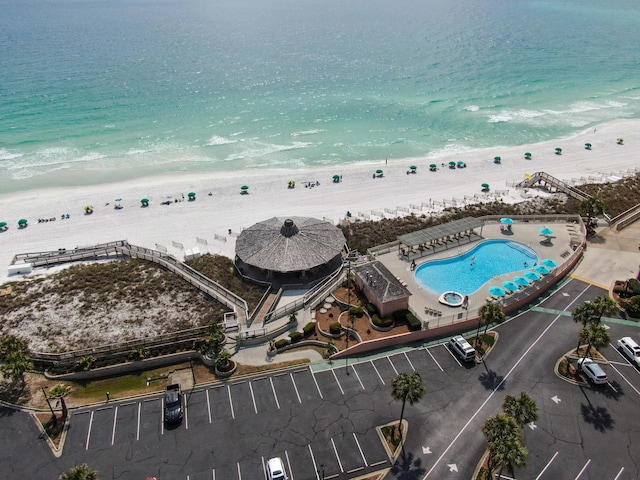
(210,218)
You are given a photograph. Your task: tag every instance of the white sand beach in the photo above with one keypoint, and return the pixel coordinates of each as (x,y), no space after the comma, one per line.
(210,217)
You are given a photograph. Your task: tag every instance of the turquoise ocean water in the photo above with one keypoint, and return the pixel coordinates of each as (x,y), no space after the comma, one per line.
(95,91)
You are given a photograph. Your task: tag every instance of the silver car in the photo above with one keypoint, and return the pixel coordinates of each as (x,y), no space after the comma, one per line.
(593,371)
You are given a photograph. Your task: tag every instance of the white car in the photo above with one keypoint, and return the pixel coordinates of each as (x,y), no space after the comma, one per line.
(593,371)
(630,348)
(275,469)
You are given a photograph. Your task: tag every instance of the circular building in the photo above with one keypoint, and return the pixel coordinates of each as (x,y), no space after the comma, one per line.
(301,246)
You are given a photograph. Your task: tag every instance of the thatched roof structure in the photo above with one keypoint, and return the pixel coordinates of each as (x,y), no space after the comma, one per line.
(289,245)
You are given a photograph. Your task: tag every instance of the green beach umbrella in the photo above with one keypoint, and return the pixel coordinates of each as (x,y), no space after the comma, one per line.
(23,222)
(413,167)
(336,177)
(244,187)
(433,166)
(497,159)
(452,164)
(587,146)
(558,150)
(191,194)
(527,155)
(378,171)
(145,202)
(485,186)
(3,225)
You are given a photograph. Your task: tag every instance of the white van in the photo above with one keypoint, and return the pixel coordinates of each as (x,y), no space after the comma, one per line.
(630,348)
(462,348)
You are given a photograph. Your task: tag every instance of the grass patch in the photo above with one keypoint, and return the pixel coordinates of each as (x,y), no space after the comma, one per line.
(53,426)
(392,436)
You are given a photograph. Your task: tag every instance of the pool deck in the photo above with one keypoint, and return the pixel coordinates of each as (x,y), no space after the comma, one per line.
(426,305)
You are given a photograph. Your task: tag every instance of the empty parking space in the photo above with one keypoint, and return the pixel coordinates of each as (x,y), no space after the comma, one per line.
(302,463)
(385,369)
(368,375)
(371,446)
(125,428)
(325,457)
(151,419)
(423,361)
(445,357)
(78,428)
(243,399)
(197,411)
(101,429)
(219,402)
(349,378)
(265,394)
(305,385)
(286,390)
(329,384)
(348,453)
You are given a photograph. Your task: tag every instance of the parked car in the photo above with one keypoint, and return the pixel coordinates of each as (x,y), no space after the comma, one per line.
(631,349)
(593,371)
(275,469)
(173,404)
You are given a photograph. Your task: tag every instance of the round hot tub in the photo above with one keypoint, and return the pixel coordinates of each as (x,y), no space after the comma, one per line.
(452,299)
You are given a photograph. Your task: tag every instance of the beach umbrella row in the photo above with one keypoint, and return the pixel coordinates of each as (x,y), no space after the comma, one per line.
(546,231)
(509,285)
(497,291)
(507,221)
(531,275)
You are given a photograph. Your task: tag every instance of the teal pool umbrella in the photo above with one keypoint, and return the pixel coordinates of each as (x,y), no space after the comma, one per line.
(23,222)
(521,280)
(461,164)
(587,146)
(506,221)
(546,231)
(527,155)
(547,262)
(497,291)
(558,150)
(541,269)
(510,286)
(485,186)
(533,276)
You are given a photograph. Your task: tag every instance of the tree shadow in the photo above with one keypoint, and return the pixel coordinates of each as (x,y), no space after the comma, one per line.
(491,380)
(408,467)
(599,417)
(612,391)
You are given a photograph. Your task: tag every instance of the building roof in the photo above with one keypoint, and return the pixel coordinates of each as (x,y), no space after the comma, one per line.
(385,286)
(427,235)
(289,245)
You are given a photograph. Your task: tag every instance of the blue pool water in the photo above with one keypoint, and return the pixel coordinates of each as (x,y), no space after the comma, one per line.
(469,272)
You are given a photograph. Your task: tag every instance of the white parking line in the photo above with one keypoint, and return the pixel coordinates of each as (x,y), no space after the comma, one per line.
(407,357)
(295,388)
(89,431)
(239,474)
(337,381)
(274,393)
(451,353)
(434,359)
(138,427)
(264,468)
(161,417)
(374,367)
(313,459)
(286,454)
(619,473)
(113,431)
(208,404)
(253,397)
(392,365)
(360,449)
(186,413)
(213,474)
(583,469)
(233,415)
(316,382)
(357,376)
(625,379)
(547,465)
(335,450)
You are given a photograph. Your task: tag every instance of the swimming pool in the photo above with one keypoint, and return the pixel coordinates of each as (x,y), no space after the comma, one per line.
(468,272)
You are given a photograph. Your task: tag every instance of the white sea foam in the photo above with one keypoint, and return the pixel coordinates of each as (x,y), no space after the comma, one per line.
(472,108)
(306,132)
(216,141)
(7,155)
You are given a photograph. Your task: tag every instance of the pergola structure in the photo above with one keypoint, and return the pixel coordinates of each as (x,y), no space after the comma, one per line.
(441,235)
(289,245)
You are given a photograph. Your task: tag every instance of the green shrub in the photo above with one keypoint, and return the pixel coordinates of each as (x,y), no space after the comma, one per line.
(634,286)
(371,309)
(357,312)
(283,342)
(413,322)
(335,328)
(382,322)
(295,336)
(488,339)
(633,306)
(309,328)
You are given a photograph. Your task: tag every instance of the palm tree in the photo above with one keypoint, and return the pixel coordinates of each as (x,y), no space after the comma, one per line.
(223,361)
(523,409)
(489,313)
(592,207)
(605,306)
(60,391)
(330,348)
(508,454)
(595,336)
(585,314)
(79,472)
(14,358)
(407,386)
(501,431)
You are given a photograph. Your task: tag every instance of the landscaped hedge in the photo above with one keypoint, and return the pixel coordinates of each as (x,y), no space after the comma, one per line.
(357,312)
(283,342)
(295,336)
(382,322)
(335,328)
(413,322)
(309,329)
